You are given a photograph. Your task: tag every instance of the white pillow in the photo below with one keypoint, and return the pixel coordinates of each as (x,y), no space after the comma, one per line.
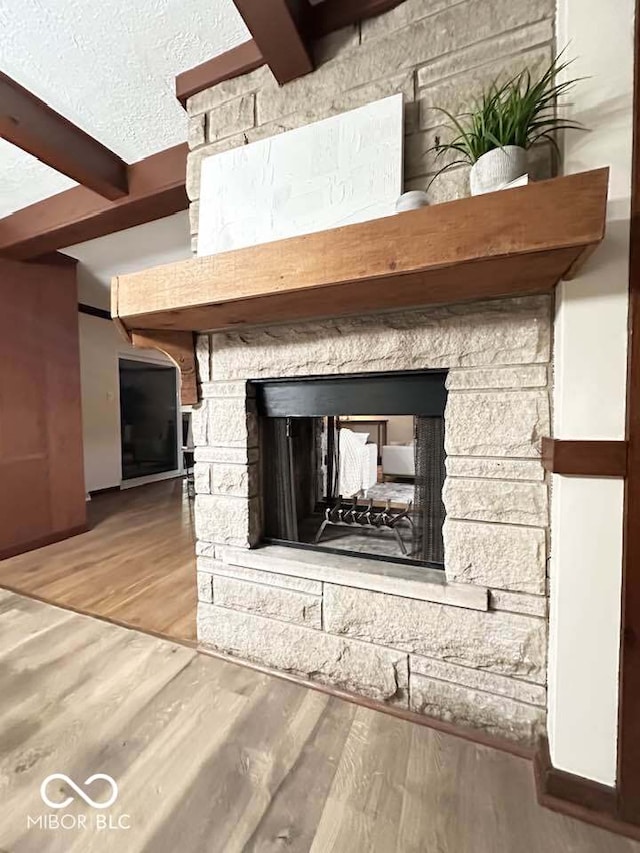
(362,437)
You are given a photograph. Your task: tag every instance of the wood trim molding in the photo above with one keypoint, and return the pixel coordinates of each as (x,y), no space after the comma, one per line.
(95,492)
(33,126)
(577,797)
(92,311)
(278,30)
(233,63)
(629,690)
(585,458)
(180,347)
(55,259)
(315,22)
(156,190)
(567,786)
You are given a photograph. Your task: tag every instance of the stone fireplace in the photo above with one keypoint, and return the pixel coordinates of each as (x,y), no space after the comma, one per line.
(462,638)
(467,644)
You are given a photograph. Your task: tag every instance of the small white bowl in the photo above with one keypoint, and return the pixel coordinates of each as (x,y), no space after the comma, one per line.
(412,200)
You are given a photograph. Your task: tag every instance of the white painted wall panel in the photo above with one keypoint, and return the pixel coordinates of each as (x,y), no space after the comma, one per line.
(589,402)
(338,171)
(585,625)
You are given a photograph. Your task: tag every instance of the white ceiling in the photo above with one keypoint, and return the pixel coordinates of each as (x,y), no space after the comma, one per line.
(109,66)
(25,180)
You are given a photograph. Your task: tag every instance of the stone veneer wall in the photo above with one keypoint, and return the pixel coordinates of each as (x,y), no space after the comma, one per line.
(472,650)
(436,52)
(480,658)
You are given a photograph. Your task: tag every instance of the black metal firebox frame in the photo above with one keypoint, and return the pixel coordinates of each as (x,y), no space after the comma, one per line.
(415,392)
(421,393)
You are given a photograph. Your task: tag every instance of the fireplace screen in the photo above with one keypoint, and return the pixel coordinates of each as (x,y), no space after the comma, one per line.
(355,464)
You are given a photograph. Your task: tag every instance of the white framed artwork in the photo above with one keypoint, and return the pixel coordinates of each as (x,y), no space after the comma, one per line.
(342,170)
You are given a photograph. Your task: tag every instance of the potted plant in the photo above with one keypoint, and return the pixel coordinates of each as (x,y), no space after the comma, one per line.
(504,122)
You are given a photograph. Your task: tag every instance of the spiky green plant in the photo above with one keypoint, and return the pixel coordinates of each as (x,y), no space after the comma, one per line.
(521,111)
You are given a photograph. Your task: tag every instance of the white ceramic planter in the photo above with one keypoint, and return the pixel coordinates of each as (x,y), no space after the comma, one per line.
(497,168)
(412,200)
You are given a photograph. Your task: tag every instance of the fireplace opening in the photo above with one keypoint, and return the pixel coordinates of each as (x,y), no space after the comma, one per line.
(355,464)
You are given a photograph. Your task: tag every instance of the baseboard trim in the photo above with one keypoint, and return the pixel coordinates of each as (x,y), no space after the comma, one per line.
(149,479)
(107,489)
(473,735)
(578,797)
(42,541)
(567,786)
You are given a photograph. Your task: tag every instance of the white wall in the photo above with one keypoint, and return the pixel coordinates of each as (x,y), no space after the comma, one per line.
(399,427)
(162,241)
(148,245)
(100,402)
(100,348)
(589,402)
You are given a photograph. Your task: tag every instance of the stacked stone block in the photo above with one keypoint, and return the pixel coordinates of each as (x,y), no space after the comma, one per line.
(479,661)
(438,53)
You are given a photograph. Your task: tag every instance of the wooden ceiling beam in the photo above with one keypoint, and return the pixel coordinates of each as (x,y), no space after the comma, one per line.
(310,22)
(156,190)
(278,28)
(332,15)
(55,259)
(239,60)
(33,126)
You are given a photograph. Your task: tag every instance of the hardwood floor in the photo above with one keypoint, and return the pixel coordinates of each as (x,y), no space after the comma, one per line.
(212,756)
(135,566)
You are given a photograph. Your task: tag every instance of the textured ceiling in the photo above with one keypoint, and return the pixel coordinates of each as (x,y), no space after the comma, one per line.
(24,180)
(108,66)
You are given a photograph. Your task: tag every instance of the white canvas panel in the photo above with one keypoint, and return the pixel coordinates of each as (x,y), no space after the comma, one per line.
(344,169)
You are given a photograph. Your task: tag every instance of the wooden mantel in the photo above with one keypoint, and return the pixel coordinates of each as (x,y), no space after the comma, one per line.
(502,244)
